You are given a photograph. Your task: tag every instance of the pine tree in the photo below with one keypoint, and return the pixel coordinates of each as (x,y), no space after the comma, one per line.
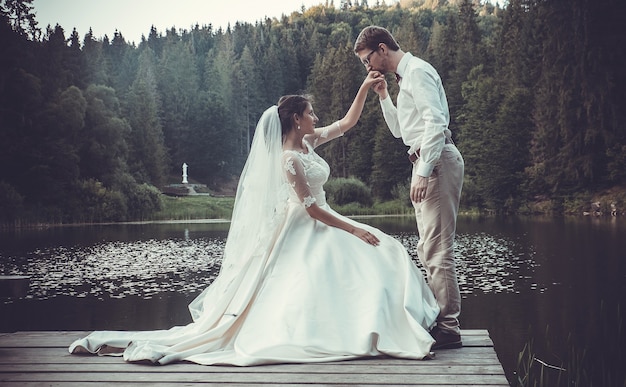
(95,65)
(477,140)
(148,157)
(103,146)
(467,55)
(19,15)
(121,62)
(178,85)
(573,99)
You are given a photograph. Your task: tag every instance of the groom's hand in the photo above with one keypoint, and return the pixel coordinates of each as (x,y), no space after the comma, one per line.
(418,190)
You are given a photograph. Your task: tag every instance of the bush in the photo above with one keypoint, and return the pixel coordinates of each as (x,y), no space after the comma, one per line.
(93,202)
(402,192)
(143,201)
(341,191)
(577,203)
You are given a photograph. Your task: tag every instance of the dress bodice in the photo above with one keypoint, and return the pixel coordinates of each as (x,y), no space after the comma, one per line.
(307,173)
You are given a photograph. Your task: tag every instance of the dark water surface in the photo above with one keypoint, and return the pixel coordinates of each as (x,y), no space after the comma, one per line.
(551,291)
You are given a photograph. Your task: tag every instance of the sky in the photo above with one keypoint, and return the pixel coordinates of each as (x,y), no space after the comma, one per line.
(135,17)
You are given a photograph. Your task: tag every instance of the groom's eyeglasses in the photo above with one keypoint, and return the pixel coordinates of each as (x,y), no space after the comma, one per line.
(366,61)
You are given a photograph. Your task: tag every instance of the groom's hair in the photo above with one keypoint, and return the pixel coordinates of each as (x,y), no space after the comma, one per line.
(370,37)
(288,105)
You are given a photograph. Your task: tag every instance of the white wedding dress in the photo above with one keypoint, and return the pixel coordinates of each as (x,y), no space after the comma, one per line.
(318,294)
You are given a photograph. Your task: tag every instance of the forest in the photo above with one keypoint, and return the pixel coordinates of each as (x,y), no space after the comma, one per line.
(92,128)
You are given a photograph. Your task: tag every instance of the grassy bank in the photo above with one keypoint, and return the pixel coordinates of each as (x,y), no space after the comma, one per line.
(195,207)
(213,207)
(601,202)
(209,207)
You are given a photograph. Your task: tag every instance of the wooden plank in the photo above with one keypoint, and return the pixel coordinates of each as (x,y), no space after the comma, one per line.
(41,358)
(224,378)
(14,286)
(464,332)
(41,338)
(476,341)
(416,369)
(169,384)
(471,338)
(480,355)
(63,351)
(474,332)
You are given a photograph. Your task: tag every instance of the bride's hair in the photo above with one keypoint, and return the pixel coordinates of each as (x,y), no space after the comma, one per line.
(288,105)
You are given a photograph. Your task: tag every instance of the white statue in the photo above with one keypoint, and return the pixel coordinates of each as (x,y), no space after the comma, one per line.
(185,173)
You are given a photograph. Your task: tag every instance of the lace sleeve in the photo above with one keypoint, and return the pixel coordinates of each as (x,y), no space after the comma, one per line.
(325,134)
(296,176)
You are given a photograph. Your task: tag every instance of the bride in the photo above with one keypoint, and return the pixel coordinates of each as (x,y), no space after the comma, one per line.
(298,282)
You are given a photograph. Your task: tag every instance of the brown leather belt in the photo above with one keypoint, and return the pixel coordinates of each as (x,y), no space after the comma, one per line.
(414,156)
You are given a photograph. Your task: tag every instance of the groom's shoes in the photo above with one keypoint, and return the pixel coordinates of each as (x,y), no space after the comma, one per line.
(445,340)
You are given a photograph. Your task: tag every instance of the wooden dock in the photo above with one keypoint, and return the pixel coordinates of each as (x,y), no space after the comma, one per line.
(14,286)
(42,359)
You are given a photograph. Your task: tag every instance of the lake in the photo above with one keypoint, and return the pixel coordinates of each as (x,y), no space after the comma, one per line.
(550,291)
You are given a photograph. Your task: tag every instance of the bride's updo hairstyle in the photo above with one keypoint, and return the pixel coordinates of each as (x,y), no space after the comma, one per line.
(288,105)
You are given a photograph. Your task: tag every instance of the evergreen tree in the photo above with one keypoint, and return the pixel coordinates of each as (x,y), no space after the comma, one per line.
(20,16)
(390,163)
(535,94)
(357,144)
(53,62)
(121,63)
(74,61)
(178,84)
(362,141)
(573,100)
(467,55)
(272,83)
(148,156)
(477,140)
(290,61)
(94,62)
(103,147)
(52,152)
(222,145)
(246,88)
(155,41)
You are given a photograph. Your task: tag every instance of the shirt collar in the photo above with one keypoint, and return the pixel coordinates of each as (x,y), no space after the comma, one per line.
(403,63)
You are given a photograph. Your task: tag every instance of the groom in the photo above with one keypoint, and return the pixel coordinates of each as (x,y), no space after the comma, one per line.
(421,118)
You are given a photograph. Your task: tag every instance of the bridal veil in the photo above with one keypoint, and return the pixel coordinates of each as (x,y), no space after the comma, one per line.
(258,214)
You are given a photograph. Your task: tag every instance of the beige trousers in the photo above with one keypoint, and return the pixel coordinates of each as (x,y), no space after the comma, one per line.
(436,225)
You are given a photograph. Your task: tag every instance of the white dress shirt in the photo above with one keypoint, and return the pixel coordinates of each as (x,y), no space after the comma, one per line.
(421,117)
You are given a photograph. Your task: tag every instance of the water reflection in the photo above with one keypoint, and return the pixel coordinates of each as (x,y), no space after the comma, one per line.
(145,268)
(119,269)
(560,283)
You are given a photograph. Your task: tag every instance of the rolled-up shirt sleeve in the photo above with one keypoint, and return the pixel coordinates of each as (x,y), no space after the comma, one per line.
(391,116)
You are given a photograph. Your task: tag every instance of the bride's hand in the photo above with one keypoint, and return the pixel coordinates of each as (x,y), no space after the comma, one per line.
(380,87)
(373,79)
(366,236)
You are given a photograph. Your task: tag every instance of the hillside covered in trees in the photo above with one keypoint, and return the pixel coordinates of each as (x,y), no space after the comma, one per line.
(92,127)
